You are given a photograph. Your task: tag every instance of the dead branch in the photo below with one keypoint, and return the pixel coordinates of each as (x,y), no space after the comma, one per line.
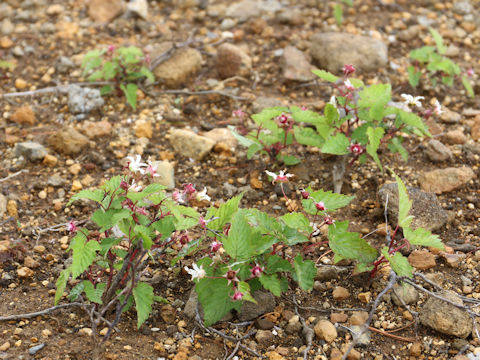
(13,175)
(59,88)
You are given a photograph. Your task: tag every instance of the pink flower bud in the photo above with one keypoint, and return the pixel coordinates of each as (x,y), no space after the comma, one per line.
(348,70)
(215,246)
(320,206)
(237,296)
(356,149)
(256,271)
(189,188)
(328,220)
(72,227)
(111,48)
(124,185)
(305,194)
(202,222)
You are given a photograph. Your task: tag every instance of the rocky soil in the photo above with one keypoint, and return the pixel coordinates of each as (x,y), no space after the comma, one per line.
(212,57)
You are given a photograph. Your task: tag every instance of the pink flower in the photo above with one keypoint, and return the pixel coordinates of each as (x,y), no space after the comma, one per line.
(237,296)
(281,177)
(305,194)
(356,149)
(189,188)
(178,197)
(202,222)
(470,72)
(348,69)
(239,113)
(231,275)
(142,210)
(215,246)
(71,227)
(328,220)
(349,85)
(256,271)
(152,169)
(111,48)
(320,206)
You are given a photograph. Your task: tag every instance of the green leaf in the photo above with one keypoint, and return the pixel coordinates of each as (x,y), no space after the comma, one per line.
(331,200)
(331,114)
(423,54)
(349,245)
(304,272)
(143,295)
(414,76)
(242,240)
(395,145)
(107,243)
(377,95)
(244,288)
(307,136)
(224,213)
(107,219)
(265,117)
(306,116)
(83,254)
(147,73)
(404,203)
(374,138)
(148,190)
(411,119)
(468,86)
(338,14)
(214,296)
(423,237)
(96,195)
(337,145)
(62,283)
(94,294)
(271,283)
(241,139)
(288,160)
(325,75)
(130,92)
(438,41)
(76,291)
(399,263)
(297,221)
(276,264)
(145,234)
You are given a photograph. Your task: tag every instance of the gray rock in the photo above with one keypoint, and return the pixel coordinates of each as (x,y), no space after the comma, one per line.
(30,150)
(56,181)
(333,50)
(138,7)
(465,248)
(437,151)
(82,100)
(189,144)
(64,65)
(409,33)
(265,337)
(446,318)
(294,325)
(167,174)
(462,7)
(426,208)
(326,273)
(473,147)
(404,294)
(452,51)
(265,303)
(243,10)
(229,190)
(34,349)
(3,205)
(232,61)
(18,51)
(363,340)
(296,66)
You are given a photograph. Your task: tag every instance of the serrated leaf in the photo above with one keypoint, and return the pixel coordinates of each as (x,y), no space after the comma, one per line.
(130,91)
(288,160)
(224,213)
(107,243)
(438,41)
(377,95)
(414,76)
(325,75)
(399,263)
(61,283)
(307,136)
(413,120)
(395,145)
(145,234)
(107,219)
(331,114)
(148,190)
(404,203)
(94,195)
(374,138)
(143,295)
(83,254)
(297,221)
(271,283)
(276,264)
(244,288)
(213,295)
(241,139)
(331,200)
(306,116)
(242,240)
(362,267)
(423,237)
(76,291)
(338,14)
(468,86)
(94,294)
(350,245)
(265,117)
(337,145)
(304,272)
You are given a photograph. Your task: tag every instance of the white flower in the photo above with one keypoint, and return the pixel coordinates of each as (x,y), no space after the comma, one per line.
(135,164)
(117,232)
(196,272)
(281,177)
(202,195)
(135,187)
(412,100)
(349,85)
(333,101)
(152,168)
(437,108)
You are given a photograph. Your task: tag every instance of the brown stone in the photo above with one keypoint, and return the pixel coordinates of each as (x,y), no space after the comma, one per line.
(104,11)
(445,180)
(23,115)
(180,68)
(454,137)
(358,318)
(325,330)
(232,60)
(143,128)
(340,293)
(475,130)
(50,160)
(422,259)
(68,141)
(30,262)
(96,129)
(25,272)
(338,318)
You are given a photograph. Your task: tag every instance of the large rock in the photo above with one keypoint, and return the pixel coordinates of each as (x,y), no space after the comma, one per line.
(180,68)
(68,141)
(404,293)
(325,330)
(422,259)
(232,61)
(167,174)
(445,180)
(189,144)
(102,11)
(30,150)
(296,66)
(426,209)
(333,50)
(265,304)
(438,152)
(82,100)
(223,135)
(446,318)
